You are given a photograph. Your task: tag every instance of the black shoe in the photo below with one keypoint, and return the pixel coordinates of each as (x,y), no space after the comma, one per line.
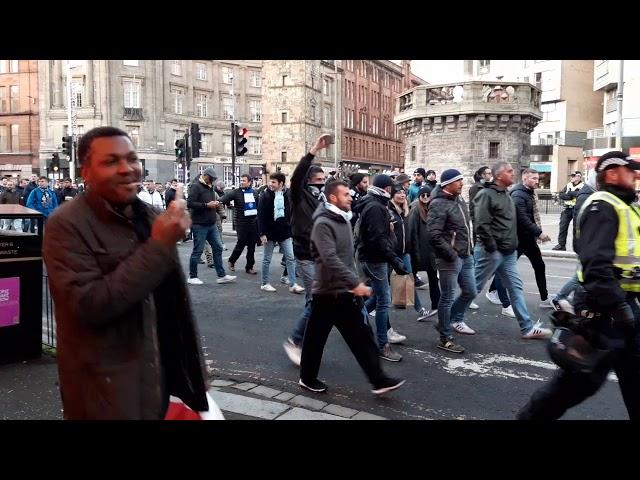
(211,265)
(419,283)
(560,247)
(201,262)
(387,385)
(314,385)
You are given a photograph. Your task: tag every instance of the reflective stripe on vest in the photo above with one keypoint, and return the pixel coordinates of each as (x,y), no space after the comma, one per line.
(627,243)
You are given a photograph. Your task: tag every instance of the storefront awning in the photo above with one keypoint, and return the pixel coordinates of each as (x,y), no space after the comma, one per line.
(541,167)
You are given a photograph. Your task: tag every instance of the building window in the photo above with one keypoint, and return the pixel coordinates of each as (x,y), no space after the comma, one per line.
(201,105)
(363,68)
(255,145)
(494,149)
(313,113)
(283,157)
(176,68)
(256,78)
(131,63)
(484,66)
(284,80)
(76,93)
(325,86)
(227,108)
(178,100)
(15,138)
(284,117)
(386,80)
(15,98)
(3,99)
(327,116)
(3,66)
(205,138)
(539,80)
(228,177)
(13,66)
(363,122)
(132,91)
(227,75)
(376,126)
(134,133)
(255,110)
(226,144)
(201,71)
(3,138)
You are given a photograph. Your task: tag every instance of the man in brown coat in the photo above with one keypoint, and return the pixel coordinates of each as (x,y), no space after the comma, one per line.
(127,338)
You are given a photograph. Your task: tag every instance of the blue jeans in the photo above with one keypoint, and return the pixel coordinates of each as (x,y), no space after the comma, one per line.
(306,268)
(502,292)
(568,287)
(287,247)
(452,274)
(406,259)
(381,298)
(201,234)
(505,267)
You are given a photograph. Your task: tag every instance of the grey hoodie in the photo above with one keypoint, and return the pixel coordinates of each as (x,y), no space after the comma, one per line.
(332,251)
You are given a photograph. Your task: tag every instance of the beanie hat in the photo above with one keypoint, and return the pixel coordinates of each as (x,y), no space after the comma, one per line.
(420,171)
(426,189)
(356,178)
(450,176)
(382,181)
(429,172)
(211,172)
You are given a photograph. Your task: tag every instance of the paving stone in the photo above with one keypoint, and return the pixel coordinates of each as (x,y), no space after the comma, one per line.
(265,391)
(284,396)
(222,383)
(245,386)
(297,413)
(252,407)
(307,402)
(340,411)
(366,416)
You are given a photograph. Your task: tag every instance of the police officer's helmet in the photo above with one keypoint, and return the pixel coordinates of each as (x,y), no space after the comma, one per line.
(573,352)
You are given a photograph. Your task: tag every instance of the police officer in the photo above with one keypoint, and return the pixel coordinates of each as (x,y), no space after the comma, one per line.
(609,251)
(568,197)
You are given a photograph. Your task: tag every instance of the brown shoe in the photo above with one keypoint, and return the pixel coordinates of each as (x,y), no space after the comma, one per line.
(251,271)
(232,267)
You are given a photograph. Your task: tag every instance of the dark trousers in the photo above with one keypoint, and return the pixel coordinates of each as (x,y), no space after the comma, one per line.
(565,219)
(434,287)
(496,285)
(247,237)
(532,252)
(345,312)
(568,389)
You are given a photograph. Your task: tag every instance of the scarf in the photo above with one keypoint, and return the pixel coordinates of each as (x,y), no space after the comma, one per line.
(46,198)
(536,212)
(278,205)
(249,202)
(332,208)
(380,192)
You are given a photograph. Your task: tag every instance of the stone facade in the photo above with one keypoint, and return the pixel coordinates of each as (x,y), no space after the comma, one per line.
(467,125)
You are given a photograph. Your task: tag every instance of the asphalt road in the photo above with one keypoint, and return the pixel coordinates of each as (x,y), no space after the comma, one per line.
(243,329)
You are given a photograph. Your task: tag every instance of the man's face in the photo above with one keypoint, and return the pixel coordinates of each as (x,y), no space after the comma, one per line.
(622,177)
(43,183)
(275,185)
(33,178)
(506,175)
(317,178)
(151,187)
(11,184)
(5,182)
(577,178)
(174,184)
(23,183)
(406,185)
(245,182)
(486,175)
(66,184)
(364,184)
(341,198)
(113,169)
(454,188)
(418,177)
(531,180)
(431,177)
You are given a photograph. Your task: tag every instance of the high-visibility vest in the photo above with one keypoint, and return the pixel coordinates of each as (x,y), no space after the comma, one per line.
(571,188)
(627,243)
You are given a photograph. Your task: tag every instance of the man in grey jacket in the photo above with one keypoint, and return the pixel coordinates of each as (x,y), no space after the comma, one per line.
(337,293)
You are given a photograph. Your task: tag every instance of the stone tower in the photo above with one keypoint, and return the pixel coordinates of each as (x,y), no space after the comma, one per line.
(467,125)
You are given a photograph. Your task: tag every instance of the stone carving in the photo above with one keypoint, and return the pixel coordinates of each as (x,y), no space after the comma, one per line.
(445,95)
(499,94)
(406,102)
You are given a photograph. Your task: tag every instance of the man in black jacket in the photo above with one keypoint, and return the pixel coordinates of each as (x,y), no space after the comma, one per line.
(452,242)
(359,186)
(375,253)
(337,293)
(274,217)
(67,192)
(530,229)
(203,204)
(246,212)
(307,182)
(496,230)
(31,186)
(170,194)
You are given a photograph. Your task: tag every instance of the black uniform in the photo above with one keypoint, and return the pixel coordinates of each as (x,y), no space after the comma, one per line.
(598,229)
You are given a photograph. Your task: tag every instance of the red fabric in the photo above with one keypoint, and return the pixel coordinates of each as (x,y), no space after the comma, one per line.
(179,411)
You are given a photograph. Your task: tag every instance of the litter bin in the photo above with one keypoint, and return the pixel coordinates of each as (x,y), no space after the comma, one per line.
(20,284)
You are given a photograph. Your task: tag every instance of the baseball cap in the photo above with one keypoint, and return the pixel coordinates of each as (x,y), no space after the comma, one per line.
(616,159)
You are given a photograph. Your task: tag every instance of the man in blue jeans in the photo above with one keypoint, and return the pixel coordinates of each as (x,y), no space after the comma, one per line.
(203,204)
(451,239)
(496,251)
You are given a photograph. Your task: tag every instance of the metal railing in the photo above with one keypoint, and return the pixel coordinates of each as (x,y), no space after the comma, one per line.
(550,205)
(48,315)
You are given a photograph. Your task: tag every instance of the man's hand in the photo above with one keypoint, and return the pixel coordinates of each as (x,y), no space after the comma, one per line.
(361,290)
(323,142)
(171,225)
(213,204)
(263,239)
(398,267)
(544,237)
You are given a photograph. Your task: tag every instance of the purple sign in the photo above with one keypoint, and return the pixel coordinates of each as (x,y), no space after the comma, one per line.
(9,301)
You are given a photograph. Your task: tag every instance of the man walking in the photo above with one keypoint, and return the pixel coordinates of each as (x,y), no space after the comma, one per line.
(568,197)
(42,199)
(337,293)
(359,186)
(246,211)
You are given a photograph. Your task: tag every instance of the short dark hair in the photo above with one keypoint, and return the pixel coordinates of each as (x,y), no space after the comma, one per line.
(84,145)
(173,180)
(313,169)
(528,171)
(331,187)
(280,177)
(42,178)
(478,175)
(67,180)
(247,176)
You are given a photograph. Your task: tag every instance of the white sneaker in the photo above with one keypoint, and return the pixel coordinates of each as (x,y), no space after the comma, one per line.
(493,297)
(395,337)
(509,312)
(537,332)
(424,314)
(285,280)
(546,303)
(373,314)
(195,281)
(293,351)
(296,288)
(473,306)
(227,279)
(463,328)
(267,288)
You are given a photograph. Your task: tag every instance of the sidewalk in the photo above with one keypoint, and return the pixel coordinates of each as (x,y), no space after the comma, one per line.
(29,391)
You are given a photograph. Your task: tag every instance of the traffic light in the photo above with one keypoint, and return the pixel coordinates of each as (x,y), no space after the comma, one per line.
(240,141)
(180,149)
(67,145)
(55,162)
(196,140)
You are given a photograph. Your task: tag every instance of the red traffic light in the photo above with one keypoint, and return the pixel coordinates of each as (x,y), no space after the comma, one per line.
(244,131)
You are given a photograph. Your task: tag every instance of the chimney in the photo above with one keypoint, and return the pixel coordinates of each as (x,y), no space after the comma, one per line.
(406,74)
